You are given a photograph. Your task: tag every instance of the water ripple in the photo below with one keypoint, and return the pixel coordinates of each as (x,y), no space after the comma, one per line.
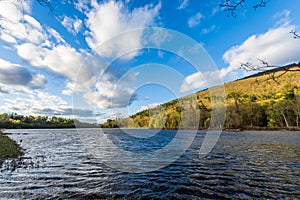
(244,165)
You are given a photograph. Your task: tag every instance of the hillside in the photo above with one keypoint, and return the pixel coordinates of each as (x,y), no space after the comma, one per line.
(252,102)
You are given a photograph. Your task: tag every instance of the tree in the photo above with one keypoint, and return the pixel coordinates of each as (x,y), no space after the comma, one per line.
(233,119)
(237,96)
(253,114)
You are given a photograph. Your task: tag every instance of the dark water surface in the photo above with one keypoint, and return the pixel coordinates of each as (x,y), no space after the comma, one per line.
(243,165)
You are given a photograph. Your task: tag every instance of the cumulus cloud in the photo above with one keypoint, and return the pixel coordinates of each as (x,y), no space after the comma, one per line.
(16,78)
(193,81)
(195,20)
(61,59)
(43,103)
(81,5)
(276,46)
(38,80)
(43,47)
(157,37)
(112,18)
(55,35)
(72,25)
(111,93)
(13,10)
(17,25)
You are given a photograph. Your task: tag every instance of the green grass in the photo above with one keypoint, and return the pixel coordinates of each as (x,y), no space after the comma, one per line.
(8,148)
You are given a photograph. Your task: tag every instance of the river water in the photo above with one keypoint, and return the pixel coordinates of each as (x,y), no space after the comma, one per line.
(242,165)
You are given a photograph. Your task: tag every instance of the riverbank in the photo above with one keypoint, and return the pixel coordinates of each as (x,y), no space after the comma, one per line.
(264,129)
(253,128)
(8,148)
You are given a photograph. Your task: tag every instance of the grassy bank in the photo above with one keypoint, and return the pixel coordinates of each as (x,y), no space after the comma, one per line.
(8,148)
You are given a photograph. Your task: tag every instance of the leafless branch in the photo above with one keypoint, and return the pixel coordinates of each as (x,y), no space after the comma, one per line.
(295,35)
(274,72)
(262,3)
(231,6)
(261,68)
(47,3)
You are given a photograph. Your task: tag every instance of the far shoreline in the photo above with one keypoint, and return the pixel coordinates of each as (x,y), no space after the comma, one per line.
(223,129)
(143,128)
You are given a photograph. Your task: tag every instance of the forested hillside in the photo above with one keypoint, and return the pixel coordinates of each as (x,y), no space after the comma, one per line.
(252,102)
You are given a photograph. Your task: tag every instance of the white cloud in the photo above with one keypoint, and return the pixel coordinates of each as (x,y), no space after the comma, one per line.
(14,78)
(195,20)
(208,30)
(33,22)
(16,24)
(82,5)
(112,18)
(192,82)
(72,25)
(201,80)
(25,29)
(111,93)
(8,38)
(60,59)
(215,10)
(283,18)
(44,47)
(33,44)
(157,37)
(82,74)
(37,103)
(183,4)
(12,10)
(38,81)
(18,27)
(276,46)
(56,35)
(149,106)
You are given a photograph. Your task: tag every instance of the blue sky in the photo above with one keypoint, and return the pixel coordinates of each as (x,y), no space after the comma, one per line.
(91,59)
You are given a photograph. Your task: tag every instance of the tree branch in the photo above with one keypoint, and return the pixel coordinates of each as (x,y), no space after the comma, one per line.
(274,72)
(262,3)
(231,6)
(295,35)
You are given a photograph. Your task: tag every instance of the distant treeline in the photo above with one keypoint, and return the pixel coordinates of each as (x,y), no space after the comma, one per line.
(14,120)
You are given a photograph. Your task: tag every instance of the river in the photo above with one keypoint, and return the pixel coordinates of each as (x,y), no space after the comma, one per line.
(242,165)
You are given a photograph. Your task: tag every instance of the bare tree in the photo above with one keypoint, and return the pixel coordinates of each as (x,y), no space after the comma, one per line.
(274,72)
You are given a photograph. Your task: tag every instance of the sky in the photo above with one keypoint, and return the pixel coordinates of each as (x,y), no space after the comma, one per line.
(94,60)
